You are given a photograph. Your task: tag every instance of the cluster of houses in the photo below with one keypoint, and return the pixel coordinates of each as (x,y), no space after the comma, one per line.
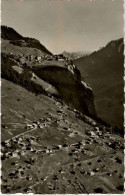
(25,144)
(22,58)
(44,122)
(60,58)
(37,58)
(36,124)
(26,60)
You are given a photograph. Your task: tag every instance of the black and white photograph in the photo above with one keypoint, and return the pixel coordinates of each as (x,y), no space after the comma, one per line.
(62,97)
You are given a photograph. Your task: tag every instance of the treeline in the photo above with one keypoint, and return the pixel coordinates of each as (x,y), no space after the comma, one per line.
(24,79)
(8,33)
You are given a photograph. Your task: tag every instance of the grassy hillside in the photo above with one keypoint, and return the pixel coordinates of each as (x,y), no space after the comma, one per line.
(8,47)
(103,70)
(57,149)
(8,33)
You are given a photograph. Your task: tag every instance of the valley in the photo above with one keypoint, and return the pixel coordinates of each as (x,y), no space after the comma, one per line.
(51,139)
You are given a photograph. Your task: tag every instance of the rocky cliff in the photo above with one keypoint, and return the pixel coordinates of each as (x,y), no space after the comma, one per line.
(62,80)
(54,80)
(69,85)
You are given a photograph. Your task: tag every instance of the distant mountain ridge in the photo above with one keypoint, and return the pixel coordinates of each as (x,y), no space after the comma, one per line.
(75,55)
(8,33)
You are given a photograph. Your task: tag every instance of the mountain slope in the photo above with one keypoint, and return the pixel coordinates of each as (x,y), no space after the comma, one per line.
(9,47)
(103,70)
(61,82)
(30,68)
(48,149)
(51,141)
(8,33)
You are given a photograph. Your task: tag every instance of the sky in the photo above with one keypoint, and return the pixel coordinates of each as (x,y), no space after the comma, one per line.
(66,25)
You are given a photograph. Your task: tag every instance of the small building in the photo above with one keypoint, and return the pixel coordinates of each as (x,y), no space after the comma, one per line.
(38,58)
(61,60)
(28,126)
(31,57)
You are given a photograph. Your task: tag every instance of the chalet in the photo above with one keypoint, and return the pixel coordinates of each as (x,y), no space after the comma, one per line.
(28,126)
(38,58)
(49,58)
(31,57)
(61,60)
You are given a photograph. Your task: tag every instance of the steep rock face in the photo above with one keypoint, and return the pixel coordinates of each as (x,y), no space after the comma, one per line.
(103,70)
(58,79)
(70,87)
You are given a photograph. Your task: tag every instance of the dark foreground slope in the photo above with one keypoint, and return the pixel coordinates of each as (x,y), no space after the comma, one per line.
(48,149)
(103,70)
